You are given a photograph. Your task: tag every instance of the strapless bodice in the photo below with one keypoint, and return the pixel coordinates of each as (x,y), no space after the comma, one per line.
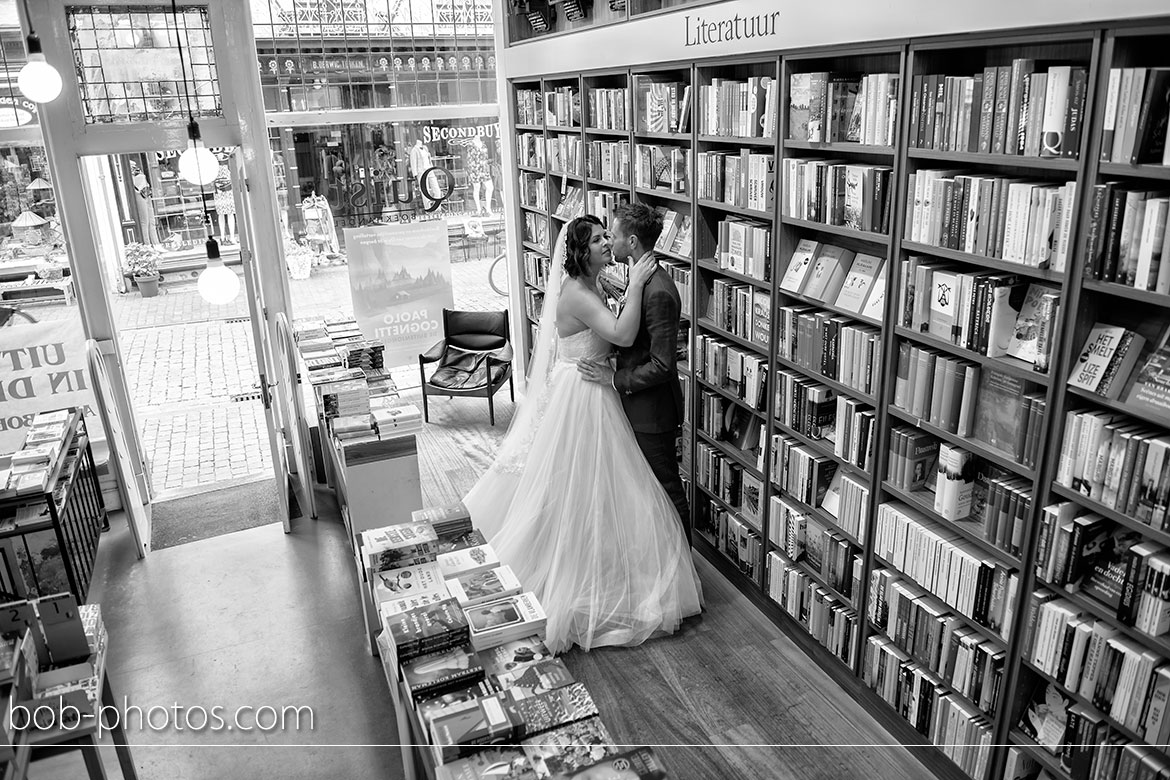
(584,344)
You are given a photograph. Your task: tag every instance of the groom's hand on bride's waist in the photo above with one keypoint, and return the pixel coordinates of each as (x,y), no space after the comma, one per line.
(594,371)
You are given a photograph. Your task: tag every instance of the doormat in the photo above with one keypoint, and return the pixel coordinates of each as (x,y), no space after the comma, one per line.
(217,512)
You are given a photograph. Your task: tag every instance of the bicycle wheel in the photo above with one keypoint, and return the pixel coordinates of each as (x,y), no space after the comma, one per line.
(492,276)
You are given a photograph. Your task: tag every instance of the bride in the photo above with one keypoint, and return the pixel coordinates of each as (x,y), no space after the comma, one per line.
(571,503)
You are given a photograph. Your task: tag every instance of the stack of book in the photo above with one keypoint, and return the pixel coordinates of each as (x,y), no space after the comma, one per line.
(1017,109)
(399,420)
(832,107)
(366,355)
(465,643)
(1026,222)
(835,192)
(45,451)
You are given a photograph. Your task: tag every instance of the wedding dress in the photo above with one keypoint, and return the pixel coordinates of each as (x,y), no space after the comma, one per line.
(572,506)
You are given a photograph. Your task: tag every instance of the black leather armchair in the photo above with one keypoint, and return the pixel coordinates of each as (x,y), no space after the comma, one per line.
(474,357)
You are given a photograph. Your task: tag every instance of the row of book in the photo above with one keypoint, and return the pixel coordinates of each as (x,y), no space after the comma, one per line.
(829,619)
(1136,111)
(819,546)
(834,192)
(530,150)
(664,106)
(465,640)
(1015,109)
(738,108)
(609,161)
(930,634)
(564,154)
(1026,222)
(562,107)
(828,107)
(1118,462)
(744,246)
(990,313)
(839,277)
(572,202)
(940,560)
(603,203)
(529,106)
(533,303)
(723,420)
(847,502)
(745,178)
(805,405)
(1083,739)
(740,308)
(661,167)
(801,471)
(741,373)
(718,475)
(735,536)
(609,108)
(957,727)
(675,237)
(1119,677)
(536,229)
(1128,243)
(681,276)
(533,192)
(830,345)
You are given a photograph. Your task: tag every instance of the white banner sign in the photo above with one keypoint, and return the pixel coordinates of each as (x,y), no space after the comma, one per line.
(400,280)
(42,367)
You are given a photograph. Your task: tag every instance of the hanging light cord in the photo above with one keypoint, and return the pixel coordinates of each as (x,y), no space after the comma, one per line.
(193,132)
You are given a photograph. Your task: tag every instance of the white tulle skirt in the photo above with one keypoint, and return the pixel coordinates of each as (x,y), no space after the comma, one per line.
(585,525)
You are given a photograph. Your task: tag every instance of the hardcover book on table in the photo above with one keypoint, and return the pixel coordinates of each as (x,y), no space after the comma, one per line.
(427,629)
(435,673)
(468,561)
(569,748)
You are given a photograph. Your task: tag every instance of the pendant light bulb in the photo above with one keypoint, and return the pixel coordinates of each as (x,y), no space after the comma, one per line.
(38,80)
(197,164)
(218,284)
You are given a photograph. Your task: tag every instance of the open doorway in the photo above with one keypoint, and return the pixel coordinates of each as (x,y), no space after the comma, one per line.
(190,364)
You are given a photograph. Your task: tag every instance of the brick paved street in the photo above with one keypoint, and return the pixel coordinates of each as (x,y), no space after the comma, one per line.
(186,359)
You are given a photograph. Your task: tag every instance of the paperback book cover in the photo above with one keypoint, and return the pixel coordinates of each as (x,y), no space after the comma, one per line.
(489,764)
(1104,555)
(1098,351)
(473,538)
(1046,717)
(450,519)
(998,410)
(637,764)
(398,545)
(1150,393)
(467,561)
(799,266)
(458,734)
(481,586)
(552,709)
(434,673)
(422,579)
(569,748)
(426,629)
(452,701)
(1026,334)
(524,663)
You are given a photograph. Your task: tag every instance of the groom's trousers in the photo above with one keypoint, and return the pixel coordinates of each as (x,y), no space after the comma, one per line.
(661,453)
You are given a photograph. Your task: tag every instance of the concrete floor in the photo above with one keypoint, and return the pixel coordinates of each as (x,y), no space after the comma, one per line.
(255,618)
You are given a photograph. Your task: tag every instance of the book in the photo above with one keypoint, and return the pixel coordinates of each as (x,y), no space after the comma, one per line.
(524,663)
(569,748)
(406,544)
(1025,337)
(875,304)
(799,266)
(477,587)
(998,410)
(432,674)
(1106,360)
(1150,392)
(459,733)
(489,764)
(426,629)
(452,700)
(419,580)
(551,709)
(830,267)
(1046,717)
(468,561)
(495,622)
(637,764)
(858,282)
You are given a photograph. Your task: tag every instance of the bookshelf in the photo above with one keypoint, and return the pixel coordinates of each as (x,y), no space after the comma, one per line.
(886,149)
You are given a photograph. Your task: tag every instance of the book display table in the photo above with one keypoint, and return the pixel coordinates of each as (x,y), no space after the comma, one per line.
(369,454)
(51,522)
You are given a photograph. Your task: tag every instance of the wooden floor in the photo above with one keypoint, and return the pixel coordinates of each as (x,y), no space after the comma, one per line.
(729,696)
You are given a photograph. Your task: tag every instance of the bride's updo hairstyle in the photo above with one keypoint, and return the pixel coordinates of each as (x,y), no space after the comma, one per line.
(580,234)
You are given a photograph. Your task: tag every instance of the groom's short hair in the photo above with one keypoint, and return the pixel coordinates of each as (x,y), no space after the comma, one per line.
(641,220)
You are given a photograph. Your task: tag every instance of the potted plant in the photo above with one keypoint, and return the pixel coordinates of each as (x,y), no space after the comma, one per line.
(142,265)
(299,259)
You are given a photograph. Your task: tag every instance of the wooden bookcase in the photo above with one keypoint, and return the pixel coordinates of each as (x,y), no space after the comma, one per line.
(1083,301)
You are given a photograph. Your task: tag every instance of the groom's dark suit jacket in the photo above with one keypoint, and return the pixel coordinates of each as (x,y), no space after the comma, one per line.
(647,376)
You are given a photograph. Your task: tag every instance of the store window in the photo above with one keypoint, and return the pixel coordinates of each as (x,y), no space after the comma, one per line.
(528,19)
(352,54)
(148,64)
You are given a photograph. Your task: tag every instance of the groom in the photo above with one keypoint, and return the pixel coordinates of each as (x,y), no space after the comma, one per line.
(646,376)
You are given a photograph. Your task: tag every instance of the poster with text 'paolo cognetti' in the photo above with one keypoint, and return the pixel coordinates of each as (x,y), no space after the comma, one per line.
(400,280)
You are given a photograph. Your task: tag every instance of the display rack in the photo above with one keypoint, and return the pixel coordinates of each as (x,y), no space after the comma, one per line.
(740,532)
